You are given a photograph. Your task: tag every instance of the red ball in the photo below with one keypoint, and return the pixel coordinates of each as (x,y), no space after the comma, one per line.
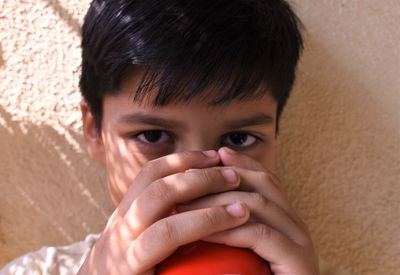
(203,258)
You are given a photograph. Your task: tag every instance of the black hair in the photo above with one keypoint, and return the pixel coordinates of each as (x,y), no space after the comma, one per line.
(187,47)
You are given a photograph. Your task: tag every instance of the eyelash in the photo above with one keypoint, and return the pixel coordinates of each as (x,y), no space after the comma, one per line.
(172,136)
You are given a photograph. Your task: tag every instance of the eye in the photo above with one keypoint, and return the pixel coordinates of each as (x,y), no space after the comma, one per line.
(240,140)
(154,136)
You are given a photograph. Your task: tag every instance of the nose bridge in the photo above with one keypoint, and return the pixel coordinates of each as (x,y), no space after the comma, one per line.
(196,147)
(198,141)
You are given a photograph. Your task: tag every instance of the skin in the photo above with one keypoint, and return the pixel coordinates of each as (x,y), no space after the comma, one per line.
(228,195)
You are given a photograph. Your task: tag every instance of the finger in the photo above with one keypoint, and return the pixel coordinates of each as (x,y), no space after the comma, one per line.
(271,245)
(262,182)
(163,237)
(257,178)
(230,157)
(164,166)
(159,198)
(261,210)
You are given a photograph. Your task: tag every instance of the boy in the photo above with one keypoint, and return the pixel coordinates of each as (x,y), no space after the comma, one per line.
(181,105)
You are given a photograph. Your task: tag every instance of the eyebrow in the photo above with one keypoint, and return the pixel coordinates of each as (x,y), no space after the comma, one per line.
(259,119)
(151,120)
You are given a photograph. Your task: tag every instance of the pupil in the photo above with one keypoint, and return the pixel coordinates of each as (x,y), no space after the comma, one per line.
(152,136)
(239,138)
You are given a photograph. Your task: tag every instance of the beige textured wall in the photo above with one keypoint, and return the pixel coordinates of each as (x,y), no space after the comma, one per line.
(339,143)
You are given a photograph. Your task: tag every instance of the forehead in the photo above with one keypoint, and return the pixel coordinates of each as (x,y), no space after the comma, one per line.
(122,108)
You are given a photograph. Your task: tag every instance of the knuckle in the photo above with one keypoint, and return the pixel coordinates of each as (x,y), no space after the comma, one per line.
(258,199)
(205,176)
(136,255)
(142,248)
(159,190)
(167,232)
(211,218)
(262,232)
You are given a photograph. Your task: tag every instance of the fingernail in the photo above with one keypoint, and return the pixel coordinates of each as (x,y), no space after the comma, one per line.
(229,175)
(210,153)
(236,210)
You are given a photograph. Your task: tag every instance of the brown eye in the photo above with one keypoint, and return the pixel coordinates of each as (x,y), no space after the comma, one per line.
(239,140)
(154,136)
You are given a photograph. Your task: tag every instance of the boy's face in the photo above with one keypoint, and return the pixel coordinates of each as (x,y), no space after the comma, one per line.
(133,134)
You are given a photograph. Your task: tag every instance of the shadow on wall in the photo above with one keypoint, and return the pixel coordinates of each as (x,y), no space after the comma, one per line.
(335,167)
(65,15)
(51,193)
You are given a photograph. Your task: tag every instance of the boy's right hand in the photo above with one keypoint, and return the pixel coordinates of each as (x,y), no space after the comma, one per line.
(141,232)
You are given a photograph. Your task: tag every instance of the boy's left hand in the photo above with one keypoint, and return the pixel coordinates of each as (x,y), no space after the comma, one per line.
(275,232)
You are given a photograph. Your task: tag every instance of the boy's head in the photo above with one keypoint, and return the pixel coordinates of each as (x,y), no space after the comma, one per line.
(210,66)
(238,48)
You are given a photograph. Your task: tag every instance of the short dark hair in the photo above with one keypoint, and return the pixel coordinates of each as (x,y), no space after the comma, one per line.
(186,47)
